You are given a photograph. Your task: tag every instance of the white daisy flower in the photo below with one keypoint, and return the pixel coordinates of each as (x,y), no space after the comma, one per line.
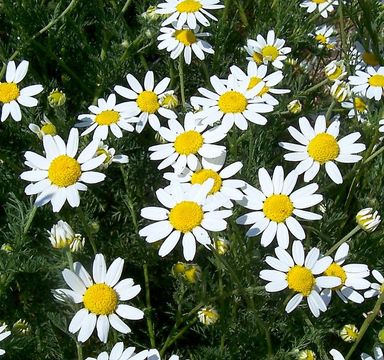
(255,75)
(336,355)
(319,146)
(377,353)
(270,50)
(58,177)
(3,335)
(106,116)
(276,205)
(110,155)
(376,288)
(118,353)
(324,6)
(300,274)
(335,70)
(184,41)
(357,107)
(46,128)
(188,12)
(186,143)
(224,190)
(145,102)
(363,56)
(351,276)
(153,354)
(323,36)
(185,215)
(11,95)
(340,90)
(369,83)
(101,296)
(231,103)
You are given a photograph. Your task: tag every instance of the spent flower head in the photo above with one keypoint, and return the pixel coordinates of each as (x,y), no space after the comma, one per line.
(368,219)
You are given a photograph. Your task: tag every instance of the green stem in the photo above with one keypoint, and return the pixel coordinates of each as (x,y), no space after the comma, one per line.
(125,7)
(70,259)
(87,230)
(343,240)
(376,153)
(342,29)
(79,351)
(181,76)
(30,219)
(329,111)
(367,322)
(149,307)
(313,88)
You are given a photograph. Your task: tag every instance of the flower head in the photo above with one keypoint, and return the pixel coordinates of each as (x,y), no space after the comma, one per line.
(349,333)
(295,107)
(306,355)
(369,83)
(118,353)
(46,128)
(340,90)
(324,38)
(101,297)
(110,155)
(56,98)
(62,236)
(357,107)
(368,220)
(335,70)
(324,6)
(376,288)
(208,315)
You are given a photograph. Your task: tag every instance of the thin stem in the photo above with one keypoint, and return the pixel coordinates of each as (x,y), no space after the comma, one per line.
(70,259)
(343,240)
(128,201)
(313,88)
(329,111)
(342,28)
(367,322)
(79,351)
(87,230)
(30,219)
(376,153)
(149,307)
(125,7)
(181,76)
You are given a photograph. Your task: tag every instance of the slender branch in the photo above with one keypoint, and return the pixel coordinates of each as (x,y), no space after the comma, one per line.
(181,76)
(30,219)
(343,240)
(149,307)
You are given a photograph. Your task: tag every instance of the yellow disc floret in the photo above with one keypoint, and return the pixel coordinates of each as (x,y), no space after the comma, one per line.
(321,39)
(64,171)
(188,6)
(336,74)
(257,58)
(300,279)
(188,142)
(319,1)
(148,102)
(278,208)
(48,129)
(376,80)
(100,299)
(107,117)
(359,104)
(185,216)
(323,147)
(370,59)
(232,102)
(254,81)
(185,36)
(336,270)
(270,52)
(199,177)
(8,92)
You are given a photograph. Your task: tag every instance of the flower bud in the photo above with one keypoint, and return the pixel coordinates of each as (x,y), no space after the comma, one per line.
(349,333)
(62,236)
(380,336)
(21,327)
(7,248)
(340,90)
(56,98)
(368,220)
(306,355)
(295,106)
(208,315)
(222,246)
(192,273)
(169,100)
(335,70)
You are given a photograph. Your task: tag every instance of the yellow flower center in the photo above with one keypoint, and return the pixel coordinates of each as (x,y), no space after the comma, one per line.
(270,52)
(381,288)
(232,102)
(188,142)
(64,171)
(336,74)
(48,129)
(336,270)
(370,59)
(107,117)
(257,58)
(278,208)
(376,80)
(199,177)
(185,216)
(185,36)
(319,1)
(254,81)
(102,151)
(359,104)
(8,92)
(323,147)
(300,279)
(188,6)
(321,39)
(148,102)
(100,299)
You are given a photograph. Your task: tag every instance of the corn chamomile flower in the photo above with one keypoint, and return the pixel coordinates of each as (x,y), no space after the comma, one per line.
(3,335)
(324,6)
(351,277)
(357,107)
(231,104)
(318,146)
(369,83)
(340,90)
(144,102)
(368,220)
(270,50)
(184,41)
(118,353)
(169,100)
(377,353)
(62,236)
(364,56)
(323,36)
(208,315)
(295,106)
(186,143)
(255,75)
(101,296)
(224,190)
(11,96)
(46,128)
(188,12)
(106,116)
(349,333)
(376,288)
(56,98)
(185,215)
(58,177)
(306,355)
(276,206)
(335,70)
(300,274)
(110,155)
